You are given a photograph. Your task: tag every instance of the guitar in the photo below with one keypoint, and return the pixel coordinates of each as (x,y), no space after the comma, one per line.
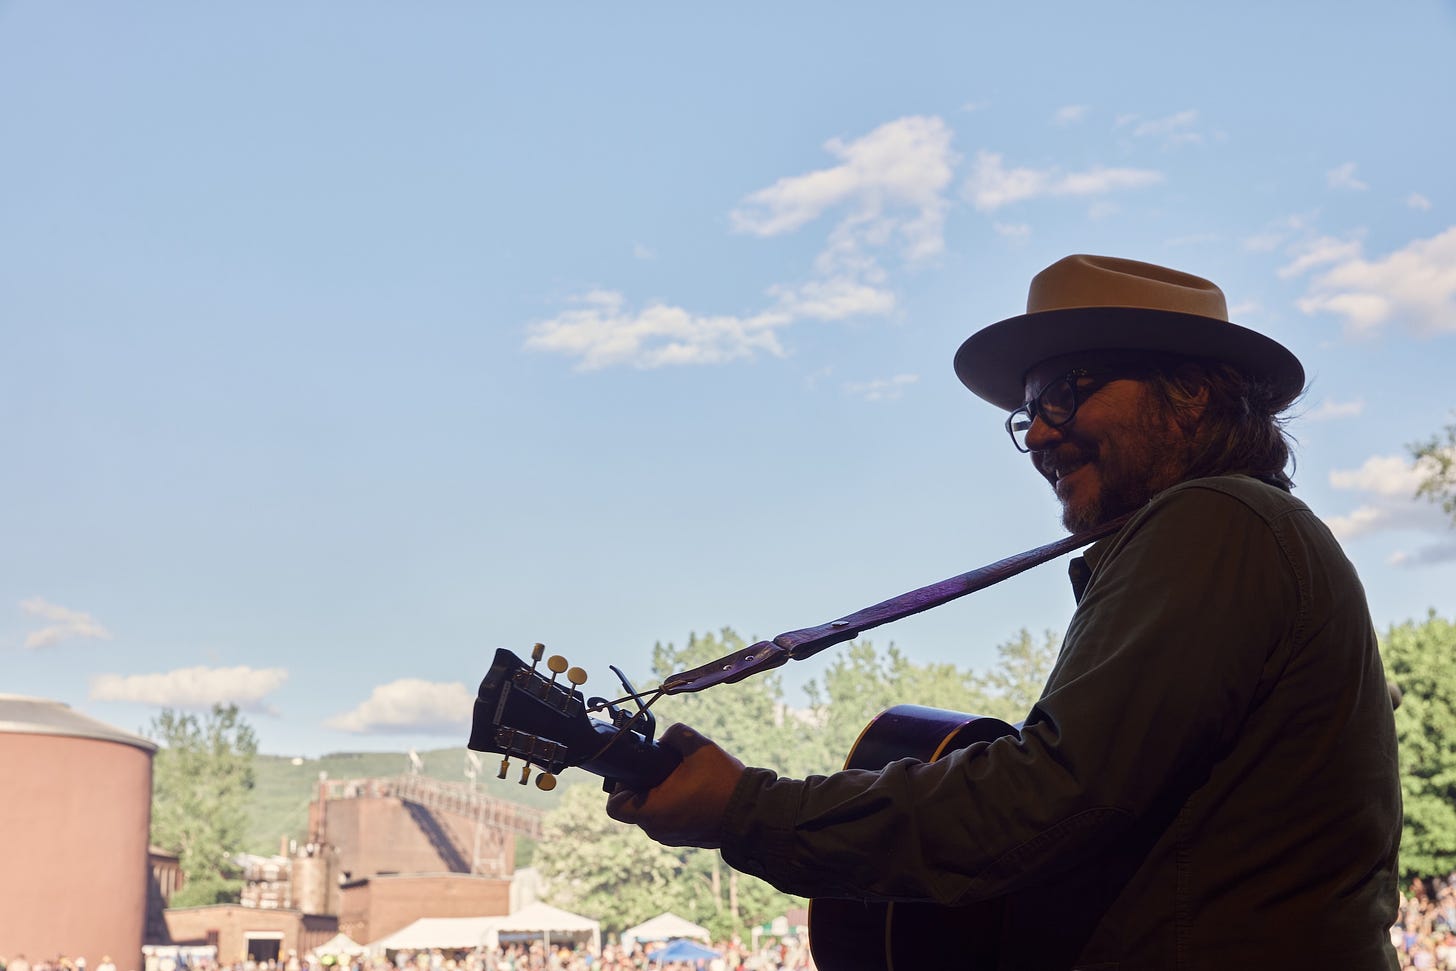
(548,724)
(855,935)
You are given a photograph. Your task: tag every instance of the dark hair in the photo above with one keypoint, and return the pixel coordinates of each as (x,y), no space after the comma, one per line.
(1241,429)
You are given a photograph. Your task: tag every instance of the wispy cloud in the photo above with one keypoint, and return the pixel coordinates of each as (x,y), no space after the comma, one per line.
(1329,409)
(603,331)
(1387,485)
(1174,129)
(1417,201)
(65,624)
(1070,114)
(1319,251)
(411,705)
(1414,287)
(992,185)
(1279,233)
(197,687)
(1343,177)
(888,194)
(882,389)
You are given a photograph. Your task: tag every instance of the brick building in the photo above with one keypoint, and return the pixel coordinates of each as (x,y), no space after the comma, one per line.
(380,854)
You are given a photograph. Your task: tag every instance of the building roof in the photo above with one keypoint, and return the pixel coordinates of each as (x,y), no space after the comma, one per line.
(39,716)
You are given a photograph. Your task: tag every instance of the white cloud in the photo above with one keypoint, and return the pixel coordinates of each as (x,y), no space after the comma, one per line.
(1016,231)
(882,389)
(603,332)
(66,624)
(991,185)
(411,705)
(1414,286)
(643,252)
(1343,177)
(1070,114)
(1390,476)
(1329,409)
(1388,484)
(1417,201)
(892,182)
(889,193)
(197,687)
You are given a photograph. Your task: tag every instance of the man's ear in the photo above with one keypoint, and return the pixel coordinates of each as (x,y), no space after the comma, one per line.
(1193,401)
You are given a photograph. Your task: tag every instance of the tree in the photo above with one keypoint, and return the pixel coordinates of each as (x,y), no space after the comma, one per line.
(200,781)
(618,875)
(1436,463)
(1418,661)
(751,718)
(1021,672)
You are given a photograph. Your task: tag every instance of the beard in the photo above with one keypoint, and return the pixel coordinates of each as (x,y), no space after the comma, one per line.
(1113,474)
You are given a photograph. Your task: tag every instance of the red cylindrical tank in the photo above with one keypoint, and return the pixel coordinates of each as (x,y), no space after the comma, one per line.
(73,835)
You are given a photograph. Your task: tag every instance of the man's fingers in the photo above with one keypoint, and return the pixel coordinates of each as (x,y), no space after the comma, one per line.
(623,804)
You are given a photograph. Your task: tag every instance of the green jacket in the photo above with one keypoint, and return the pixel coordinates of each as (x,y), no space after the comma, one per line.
(1209,779)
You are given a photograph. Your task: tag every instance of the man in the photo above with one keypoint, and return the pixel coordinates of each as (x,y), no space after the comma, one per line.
(1209,779)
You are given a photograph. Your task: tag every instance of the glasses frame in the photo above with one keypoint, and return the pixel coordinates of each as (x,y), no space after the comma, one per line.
(1034,409)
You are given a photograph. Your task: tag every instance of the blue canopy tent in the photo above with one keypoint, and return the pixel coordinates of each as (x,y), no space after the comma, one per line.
(682,950)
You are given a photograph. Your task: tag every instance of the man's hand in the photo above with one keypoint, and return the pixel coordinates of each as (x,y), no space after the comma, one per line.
(686,808)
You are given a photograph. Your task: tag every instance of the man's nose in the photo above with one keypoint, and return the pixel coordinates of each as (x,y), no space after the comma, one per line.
(1041,436)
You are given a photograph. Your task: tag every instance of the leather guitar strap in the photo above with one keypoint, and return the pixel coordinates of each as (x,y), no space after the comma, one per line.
(799,644)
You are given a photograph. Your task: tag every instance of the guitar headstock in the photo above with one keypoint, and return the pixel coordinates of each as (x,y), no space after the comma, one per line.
(546,722)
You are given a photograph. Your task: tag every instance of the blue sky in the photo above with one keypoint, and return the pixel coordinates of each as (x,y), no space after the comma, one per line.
(345,343)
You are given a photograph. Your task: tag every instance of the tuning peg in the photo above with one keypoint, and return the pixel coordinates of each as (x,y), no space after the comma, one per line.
(537,650)
(525,772)
(576,676)
(505,764)
(545,782)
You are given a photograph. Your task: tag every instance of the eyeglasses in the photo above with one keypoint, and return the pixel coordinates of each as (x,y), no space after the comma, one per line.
(1057,403)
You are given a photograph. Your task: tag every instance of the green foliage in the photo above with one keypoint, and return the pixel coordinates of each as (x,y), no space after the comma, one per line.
(750,719)
(201,777)
(861,683)
(1016,681)
(619,876)
(1436,462)
(1418,661)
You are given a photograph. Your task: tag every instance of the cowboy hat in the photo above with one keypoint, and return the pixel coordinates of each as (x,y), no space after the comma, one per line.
(1101,303)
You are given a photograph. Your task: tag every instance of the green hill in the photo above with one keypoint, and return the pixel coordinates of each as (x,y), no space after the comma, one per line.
(283,788)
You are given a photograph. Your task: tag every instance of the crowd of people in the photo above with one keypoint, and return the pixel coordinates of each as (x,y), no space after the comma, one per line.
(1424,933)
(1424,936)
(788,954)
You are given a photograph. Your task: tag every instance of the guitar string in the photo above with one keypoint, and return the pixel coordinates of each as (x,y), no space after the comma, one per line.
(641,711)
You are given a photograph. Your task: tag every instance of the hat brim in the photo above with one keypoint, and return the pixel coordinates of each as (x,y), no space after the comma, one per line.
(993,362)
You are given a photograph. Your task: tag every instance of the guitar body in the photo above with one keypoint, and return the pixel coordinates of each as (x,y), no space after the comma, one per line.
(855,935)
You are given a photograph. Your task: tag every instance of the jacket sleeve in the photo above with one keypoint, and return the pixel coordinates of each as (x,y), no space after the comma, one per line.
(1176,635)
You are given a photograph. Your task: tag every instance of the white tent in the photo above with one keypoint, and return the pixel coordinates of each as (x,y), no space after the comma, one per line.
(665,927)
(459,933)
(550,923)
(340,945)
(441,932)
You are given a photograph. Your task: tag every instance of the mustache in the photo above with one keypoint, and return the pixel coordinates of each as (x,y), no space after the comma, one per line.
(1056,462)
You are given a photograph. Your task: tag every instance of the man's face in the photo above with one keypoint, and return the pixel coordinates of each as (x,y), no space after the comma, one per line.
(1120,449)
